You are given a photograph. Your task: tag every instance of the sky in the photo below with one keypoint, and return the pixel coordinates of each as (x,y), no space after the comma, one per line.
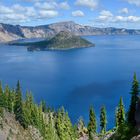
(97,13)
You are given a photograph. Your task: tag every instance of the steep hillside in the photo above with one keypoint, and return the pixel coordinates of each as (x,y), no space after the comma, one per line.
(14,32)
(10,129)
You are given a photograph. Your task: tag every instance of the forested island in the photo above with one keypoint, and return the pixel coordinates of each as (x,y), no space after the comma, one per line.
(63,40)
(41,122)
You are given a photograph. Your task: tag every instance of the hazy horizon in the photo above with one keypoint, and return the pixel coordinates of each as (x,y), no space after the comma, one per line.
(70,21)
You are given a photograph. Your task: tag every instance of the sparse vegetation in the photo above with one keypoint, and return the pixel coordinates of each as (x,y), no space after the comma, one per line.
(56,125)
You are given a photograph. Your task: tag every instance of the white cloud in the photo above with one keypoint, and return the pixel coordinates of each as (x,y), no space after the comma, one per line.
(105,15)
(36,10)
(17,13)
(64,5)
(92,4)
(124,11)
(78,13)
(108,17)
(47,14)
(5,10)
(135,2)
(46,5)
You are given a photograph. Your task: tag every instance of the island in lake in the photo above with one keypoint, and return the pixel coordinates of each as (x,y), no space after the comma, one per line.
(63,40)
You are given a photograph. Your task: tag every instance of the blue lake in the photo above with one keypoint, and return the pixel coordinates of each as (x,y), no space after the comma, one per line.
(76,78)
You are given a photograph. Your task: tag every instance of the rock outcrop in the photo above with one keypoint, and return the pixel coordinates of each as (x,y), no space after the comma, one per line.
(10,129)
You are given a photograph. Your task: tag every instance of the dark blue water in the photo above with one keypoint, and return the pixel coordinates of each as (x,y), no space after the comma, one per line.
(76,78)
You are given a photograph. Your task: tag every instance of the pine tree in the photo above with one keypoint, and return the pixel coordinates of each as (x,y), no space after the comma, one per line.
(44,108)
(60,127)
(134,100)
(5,96)
(103,120)
(18,108)
(28,105)
(1,100)
(13,94)
(120,114)
(92,124)
(81,127)
(51,133)
(64,127)
(116,117)
(1,96)
(69,127)
(10,101)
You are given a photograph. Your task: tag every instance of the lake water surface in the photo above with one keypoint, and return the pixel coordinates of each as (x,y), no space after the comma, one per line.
(76,78)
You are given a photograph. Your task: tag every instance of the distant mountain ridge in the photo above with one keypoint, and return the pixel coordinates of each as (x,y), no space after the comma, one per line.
(14,32)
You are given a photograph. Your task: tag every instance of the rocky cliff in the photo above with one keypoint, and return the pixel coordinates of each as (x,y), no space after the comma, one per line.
(14,32)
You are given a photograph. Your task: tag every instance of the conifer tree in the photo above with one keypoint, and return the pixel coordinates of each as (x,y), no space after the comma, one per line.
(103,120)
(28,107)
(134,100)
(1,100)
(34,115)
(81,127)
(51,133)
(116,117)
(92,124)
(10,101)
(60,127)
(120,114)
(6,96)
(69,128)
(1,96)
(18,108)
(64,126)
(44,108)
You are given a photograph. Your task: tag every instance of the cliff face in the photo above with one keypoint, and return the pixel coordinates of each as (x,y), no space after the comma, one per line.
(14,32)
(10,129)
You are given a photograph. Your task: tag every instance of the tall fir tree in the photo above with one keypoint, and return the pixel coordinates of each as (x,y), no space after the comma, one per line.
(120,113)
(18,108)
(92,127)
(63,125)
(103,119)
(6,96)
(44,108)
(134,100)
(10,101)
(60,126)
(1,96)
(51,133)
(1,100)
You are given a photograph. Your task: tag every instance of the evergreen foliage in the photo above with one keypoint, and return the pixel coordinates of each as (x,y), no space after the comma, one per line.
(1,100)
(134,100)
(92,127)
(103,120)
(81,127)
(56,125)
(120,114)
(18,108)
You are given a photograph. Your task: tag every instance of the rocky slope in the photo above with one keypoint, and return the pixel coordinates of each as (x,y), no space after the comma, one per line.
(10,129)
(14,32)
